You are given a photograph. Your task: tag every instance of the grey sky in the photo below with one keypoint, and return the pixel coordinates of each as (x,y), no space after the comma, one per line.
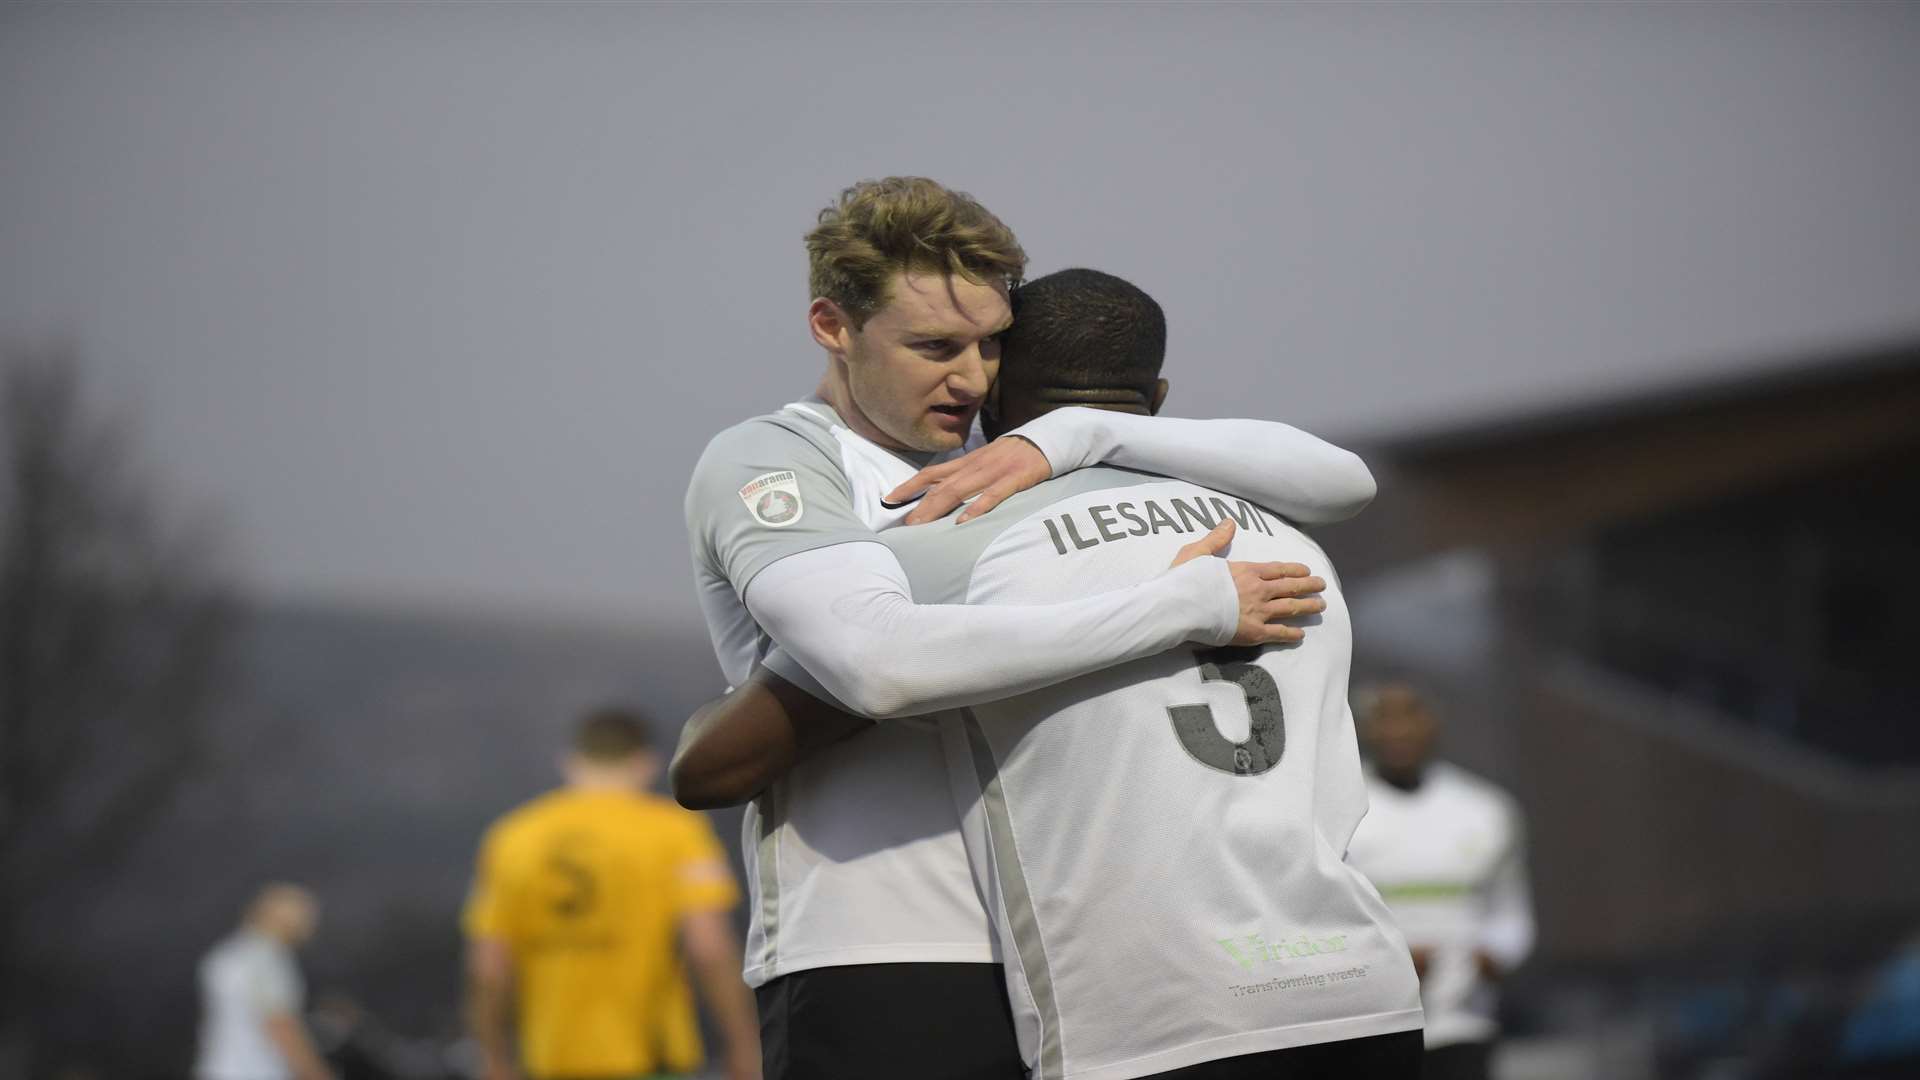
(442,301)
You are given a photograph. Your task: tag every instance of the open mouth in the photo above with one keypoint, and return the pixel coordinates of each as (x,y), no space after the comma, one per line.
(956,413)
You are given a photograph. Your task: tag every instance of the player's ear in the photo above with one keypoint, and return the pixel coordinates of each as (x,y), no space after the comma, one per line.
(1159,397)
(829,325)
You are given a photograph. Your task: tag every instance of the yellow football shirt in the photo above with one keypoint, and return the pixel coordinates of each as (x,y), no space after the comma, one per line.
(587,888)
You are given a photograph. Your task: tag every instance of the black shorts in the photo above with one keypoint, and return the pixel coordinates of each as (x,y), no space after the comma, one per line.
(1459,1061)
(887,1022)
(1394,1056)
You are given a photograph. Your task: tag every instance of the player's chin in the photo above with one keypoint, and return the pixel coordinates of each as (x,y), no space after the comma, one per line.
(933,439)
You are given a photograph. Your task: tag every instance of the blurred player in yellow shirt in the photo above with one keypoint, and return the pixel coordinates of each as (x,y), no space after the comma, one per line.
(584,903)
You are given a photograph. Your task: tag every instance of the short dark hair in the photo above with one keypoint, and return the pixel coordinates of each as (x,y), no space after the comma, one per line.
(1084,330)
(611,733)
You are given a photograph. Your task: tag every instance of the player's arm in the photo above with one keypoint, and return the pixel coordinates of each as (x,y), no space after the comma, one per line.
(713,955)
(489,1005)
(770,513)
(706,892)
(846,614)
(289,1036)
(1507,930)
(1296,475)
(273,991)
(736,745)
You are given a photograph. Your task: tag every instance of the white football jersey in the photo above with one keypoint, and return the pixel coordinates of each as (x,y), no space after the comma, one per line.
(830,880)
(245,981)
(1449,858)
(1162,843)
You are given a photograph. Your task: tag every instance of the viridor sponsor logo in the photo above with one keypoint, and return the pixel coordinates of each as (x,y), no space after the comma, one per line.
(1253,950)
(1314,981)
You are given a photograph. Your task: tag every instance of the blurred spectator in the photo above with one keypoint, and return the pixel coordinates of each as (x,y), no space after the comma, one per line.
(582,904)
(250,1026)
(1444,847)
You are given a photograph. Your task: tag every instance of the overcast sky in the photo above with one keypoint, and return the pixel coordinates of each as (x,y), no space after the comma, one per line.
(441,302)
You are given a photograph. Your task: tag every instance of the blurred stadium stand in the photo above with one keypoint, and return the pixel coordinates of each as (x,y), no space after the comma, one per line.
(1677,627)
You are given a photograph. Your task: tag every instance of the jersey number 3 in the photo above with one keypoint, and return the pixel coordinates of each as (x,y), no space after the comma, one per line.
(578,890)
(1267,736)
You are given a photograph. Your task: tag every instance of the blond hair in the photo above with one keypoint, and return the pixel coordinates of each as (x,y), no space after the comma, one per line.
(905,223)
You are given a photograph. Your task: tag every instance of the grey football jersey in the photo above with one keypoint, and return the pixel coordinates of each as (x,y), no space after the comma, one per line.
(1161,844)
(830,880)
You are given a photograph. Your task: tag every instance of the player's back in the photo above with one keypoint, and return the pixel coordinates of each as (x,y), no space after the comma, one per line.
(587,887)
(1163,840)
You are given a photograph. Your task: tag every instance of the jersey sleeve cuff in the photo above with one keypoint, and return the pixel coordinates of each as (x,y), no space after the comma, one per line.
(1207,583)
(784,665)
(1069,438)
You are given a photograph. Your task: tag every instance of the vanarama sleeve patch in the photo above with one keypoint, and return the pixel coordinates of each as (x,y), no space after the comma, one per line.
(774,499)
(761,466)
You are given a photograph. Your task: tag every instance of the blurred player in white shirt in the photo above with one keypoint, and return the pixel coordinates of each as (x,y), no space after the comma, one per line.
(252,995)
(1445,848)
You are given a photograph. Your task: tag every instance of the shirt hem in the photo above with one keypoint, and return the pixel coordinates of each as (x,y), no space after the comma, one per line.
(1252,1042)
(760,974)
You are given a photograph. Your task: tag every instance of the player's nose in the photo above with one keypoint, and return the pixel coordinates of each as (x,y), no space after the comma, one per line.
(968,378)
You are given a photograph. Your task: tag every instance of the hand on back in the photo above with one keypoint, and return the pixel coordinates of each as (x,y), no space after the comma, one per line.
(1268,591)
(1002,468)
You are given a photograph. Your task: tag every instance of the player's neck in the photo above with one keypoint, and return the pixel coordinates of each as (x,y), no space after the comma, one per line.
(631,775)
(610,783)
(836,391)
(1407,780)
